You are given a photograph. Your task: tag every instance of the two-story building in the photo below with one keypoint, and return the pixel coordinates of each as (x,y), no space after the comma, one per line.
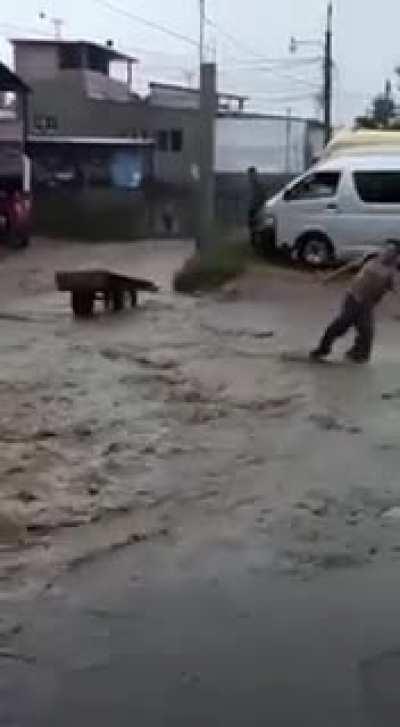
(84,108)
(83,91)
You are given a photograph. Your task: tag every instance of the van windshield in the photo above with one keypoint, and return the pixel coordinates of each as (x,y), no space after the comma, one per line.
(377,187)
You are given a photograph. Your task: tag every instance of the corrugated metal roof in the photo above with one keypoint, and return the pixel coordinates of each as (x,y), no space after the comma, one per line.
(108,50)
(9,81)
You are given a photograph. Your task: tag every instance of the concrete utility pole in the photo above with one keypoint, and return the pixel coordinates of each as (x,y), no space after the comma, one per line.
(206,185)
(327,69)
(328,65)
(202,31)
(288,140)
(205,178)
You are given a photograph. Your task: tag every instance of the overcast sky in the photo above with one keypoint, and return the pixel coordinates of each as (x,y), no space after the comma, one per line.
(366,44)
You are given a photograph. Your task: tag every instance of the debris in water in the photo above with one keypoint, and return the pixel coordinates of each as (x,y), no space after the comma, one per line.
(316,507)
(26,497)
(392,514)
(390,395)
(12,530)
(329,423)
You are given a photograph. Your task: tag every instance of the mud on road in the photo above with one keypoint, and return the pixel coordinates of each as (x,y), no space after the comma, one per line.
(182,422)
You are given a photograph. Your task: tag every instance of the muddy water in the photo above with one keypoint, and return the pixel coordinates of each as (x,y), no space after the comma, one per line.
(181,422)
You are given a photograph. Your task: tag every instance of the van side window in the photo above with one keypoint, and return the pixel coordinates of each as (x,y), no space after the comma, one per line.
(316,186)
(378,187)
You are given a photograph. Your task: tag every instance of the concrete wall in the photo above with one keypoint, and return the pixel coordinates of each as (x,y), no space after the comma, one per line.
(10,130)
(233,195)
(106,213)
(314,142)
(174,98)
(36,63)
(64,101)
(78,115)
(104,88)
(110,119)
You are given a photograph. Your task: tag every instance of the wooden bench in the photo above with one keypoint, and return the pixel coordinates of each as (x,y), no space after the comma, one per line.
(87,286)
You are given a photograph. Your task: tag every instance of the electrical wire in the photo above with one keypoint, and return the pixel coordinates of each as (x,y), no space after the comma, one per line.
(260,57)
(25,29)
(286,76)
(235,41)
(272,66)
(148,23)
(281,96)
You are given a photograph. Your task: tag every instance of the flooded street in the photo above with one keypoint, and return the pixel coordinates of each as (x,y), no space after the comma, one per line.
(184,458)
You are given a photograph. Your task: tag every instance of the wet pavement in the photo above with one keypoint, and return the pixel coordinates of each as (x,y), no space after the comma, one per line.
(197,526)
(150,636)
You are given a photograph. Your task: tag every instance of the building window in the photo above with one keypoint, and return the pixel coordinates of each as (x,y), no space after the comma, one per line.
(162,141)
(97,60)
(69,56)
(45,124)
(176,140)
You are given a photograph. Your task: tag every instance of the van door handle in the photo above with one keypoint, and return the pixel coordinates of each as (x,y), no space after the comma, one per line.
(332,206)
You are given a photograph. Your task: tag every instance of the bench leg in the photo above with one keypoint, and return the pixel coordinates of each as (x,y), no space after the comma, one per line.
(82,303)
(118,300)
(107,300)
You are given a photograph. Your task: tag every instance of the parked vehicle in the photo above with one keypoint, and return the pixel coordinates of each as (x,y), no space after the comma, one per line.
(351,142)
(15,164)
(342,208)
(15,213)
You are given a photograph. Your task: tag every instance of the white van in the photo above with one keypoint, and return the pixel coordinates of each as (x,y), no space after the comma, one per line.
(342,208)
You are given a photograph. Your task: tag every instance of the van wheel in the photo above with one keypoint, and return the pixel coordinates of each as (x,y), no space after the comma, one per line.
(118,300)
(316,250)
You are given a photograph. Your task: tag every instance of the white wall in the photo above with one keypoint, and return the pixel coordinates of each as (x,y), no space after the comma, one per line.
(316,141)
(104,88)
(174,98)
(10,129)
(259,142)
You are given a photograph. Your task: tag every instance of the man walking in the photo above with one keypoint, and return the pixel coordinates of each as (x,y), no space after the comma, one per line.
(367,289)
(256,201)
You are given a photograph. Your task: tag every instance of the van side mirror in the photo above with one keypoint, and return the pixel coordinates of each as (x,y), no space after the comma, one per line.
(288,195)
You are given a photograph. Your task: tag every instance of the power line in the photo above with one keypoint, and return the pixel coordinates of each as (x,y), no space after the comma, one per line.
(163,58)
(287,76)
(274,64)
(282,97)
(257,55)
(24,29)
(235,41)
(148,23)
(194,43)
